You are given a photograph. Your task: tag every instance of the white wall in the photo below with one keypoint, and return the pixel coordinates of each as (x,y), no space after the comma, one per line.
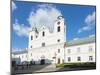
(84,53)
(52,51)
(23,57)
(48,52)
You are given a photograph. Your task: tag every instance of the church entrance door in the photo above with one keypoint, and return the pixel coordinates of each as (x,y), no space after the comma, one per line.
(42,61)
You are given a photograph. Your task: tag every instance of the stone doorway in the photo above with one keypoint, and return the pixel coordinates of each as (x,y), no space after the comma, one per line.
(42,61)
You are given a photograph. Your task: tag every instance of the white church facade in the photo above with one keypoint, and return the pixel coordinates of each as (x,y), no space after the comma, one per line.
(46,47)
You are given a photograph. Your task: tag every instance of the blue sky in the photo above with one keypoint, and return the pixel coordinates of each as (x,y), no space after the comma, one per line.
(79,19)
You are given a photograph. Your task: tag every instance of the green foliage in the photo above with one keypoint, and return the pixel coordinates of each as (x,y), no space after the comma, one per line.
(60,65)
(77,64)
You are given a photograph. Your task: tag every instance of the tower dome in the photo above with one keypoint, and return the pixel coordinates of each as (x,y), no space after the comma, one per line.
(60,17)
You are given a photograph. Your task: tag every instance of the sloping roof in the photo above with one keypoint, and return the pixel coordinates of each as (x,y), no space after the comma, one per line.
(19,52)
(81,41)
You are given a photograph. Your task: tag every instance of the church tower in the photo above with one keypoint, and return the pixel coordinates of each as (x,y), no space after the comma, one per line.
(60,34)
(60,28)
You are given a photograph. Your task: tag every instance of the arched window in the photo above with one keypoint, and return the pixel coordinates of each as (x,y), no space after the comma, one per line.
(58,29)
(31,46)
(58,50)
(31,37)
(43,33)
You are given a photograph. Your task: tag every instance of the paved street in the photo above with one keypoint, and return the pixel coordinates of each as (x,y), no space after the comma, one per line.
(46,68)
(49,68)
(38,68)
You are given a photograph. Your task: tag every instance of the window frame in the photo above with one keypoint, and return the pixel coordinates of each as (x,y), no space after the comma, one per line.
(78,50)
(31,46)
(69,59)
(58,40)
(31,37)
(43,44)
(43,33)
(90,48)
(78,58)
(68,51)
(58,50)
(58,23)
(90,58)
(31,54)
(58,29)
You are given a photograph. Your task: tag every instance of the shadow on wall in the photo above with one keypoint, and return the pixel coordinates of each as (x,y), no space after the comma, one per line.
(30,67)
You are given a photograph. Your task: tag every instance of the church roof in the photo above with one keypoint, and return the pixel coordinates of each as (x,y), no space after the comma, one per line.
(81,41)
(19,52)
(43,27)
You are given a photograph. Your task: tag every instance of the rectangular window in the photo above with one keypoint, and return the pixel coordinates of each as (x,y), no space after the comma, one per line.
(36,36)
(69,59)
(90,49)
(90,58)
(78,58)
(26,56)
(62,60)
(43,44)
(58,60)
(58,50)
(69,51)
(31,54)
(78,50)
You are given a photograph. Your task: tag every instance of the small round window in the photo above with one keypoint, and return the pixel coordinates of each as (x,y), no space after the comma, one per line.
(58,40)
(58,23)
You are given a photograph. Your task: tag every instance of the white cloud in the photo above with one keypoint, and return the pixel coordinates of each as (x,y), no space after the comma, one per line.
(46,14)
(93,35)
(90,19)
(75,38)
(20,29)
(90,23)
(85,28)
(13,6)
